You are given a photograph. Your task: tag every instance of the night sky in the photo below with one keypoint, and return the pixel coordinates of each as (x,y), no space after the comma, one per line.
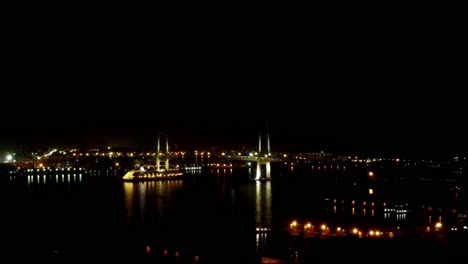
(391,88)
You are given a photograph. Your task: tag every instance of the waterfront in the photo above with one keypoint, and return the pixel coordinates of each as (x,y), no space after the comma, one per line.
(214,213)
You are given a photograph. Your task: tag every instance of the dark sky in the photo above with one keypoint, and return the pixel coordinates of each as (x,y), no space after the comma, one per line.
(383,86)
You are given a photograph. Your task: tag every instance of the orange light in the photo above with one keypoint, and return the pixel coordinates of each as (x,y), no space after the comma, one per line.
(148,250)
(293,224)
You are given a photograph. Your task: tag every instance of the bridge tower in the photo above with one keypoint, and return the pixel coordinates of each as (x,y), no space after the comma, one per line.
(263,158)
(166,153)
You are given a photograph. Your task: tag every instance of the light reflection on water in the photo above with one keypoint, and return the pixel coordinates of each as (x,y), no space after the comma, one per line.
(153,199)
(149,200)
(142,186)
(269,204)
(344,200)
(390,206)
(263,204)
(128,197)
(53,179)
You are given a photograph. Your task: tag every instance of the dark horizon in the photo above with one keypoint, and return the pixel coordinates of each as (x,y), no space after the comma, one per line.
(308,135)
(364,88)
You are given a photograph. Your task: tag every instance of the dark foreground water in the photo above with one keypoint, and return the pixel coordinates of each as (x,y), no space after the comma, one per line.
(214,214)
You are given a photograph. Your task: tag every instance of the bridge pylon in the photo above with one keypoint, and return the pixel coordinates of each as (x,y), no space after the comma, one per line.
(166,153)
(263,158)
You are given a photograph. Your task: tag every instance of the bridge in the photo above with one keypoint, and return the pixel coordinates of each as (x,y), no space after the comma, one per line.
(255,158)
(263,158)
(166,155)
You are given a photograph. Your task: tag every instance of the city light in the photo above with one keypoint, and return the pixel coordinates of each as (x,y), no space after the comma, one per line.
(9,157)
(293,224)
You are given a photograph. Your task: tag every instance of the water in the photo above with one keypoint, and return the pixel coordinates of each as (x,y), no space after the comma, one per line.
(214,214)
